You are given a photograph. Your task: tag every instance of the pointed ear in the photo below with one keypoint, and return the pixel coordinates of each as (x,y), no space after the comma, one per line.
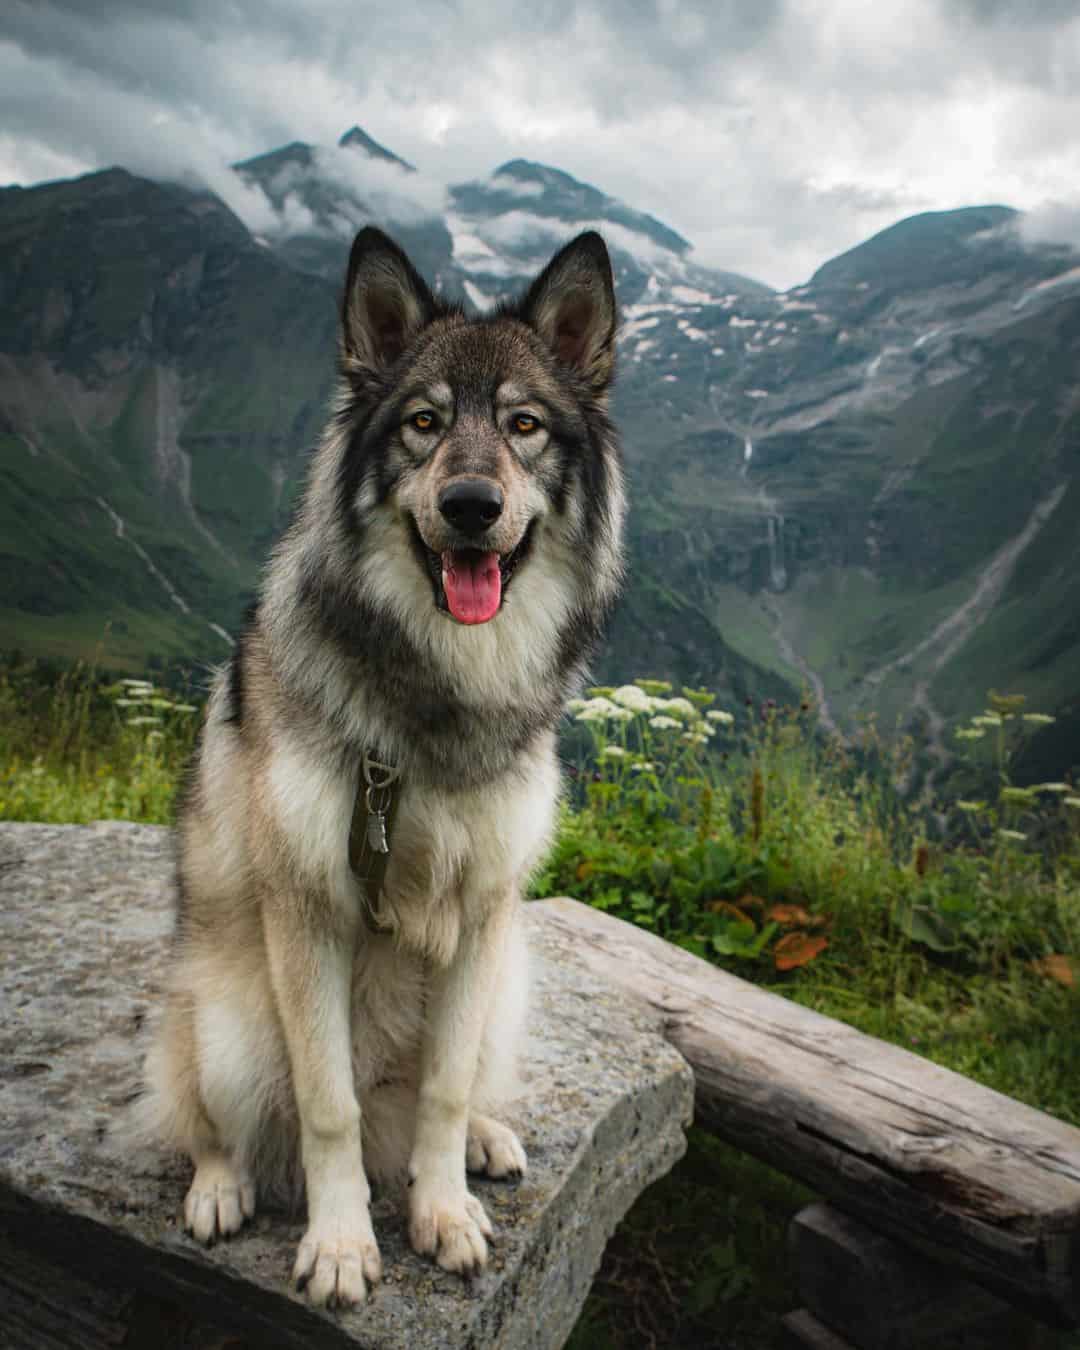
(571,304)
(385,304)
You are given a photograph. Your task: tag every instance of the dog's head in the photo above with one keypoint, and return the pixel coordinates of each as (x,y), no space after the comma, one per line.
(483,440)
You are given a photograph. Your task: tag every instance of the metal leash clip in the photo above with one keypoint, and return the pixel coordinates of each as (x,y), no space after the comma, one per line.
(377,798)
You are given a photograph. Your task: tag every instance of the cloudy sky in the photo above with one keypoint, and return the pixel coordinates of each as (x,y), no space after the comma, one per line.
(772,133)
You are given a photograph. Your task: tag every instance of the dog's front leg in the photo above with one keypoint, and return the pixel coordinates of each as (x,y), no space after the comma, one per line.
(445,1221)
(311,964)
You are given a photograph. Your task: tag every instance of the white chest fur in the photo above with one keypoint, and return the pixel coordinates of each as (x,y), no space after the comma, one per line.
(453,856)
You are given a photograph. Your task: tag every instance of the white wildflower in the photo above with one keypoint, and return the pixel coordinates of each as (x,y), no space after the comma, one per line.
(1012,834)
(621,715)
(970,733)
(682,707)
(144,721)
(613,752)
(137,684)
(991,719)
(1039,719)
(694,738)
(591,715)
(716,715)
(630,696)
(575,705)
(1072,801)
(643,766)
(597,710)
(185,707)
(1051,787)
(664,723)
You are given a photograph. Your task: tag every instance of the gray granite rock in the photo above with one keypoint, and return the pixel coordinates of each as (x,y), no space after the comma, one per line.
(85,914)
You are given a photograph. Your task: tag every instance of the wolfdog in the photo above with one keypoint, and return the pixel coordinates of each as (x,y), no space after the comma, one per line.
(377,776)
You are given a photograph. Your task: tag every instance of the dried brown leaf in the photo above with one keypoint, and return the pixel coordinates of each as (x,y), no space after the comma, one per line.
(1057,967)
(798,949)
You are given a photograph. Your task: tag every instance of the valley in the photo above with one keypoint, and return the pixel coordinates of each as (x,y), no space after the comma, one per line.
(865,487)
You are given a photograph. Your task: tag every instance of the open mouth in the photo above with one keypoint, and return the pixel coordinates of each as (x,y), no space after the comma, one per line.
(470,584)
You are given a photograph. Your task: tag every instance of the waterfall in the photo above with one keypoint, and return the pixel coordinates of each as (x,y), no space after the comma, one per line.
(778,577)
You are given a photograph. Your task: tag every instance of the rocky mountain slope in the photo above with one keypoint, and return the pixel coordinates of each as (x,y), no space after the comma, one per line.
(160,376)
(867,486)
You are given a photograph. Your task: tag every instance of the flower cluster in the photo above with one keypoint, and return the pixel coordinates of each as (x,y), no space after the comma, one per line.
(149,705)
(633,714)
(1011,805)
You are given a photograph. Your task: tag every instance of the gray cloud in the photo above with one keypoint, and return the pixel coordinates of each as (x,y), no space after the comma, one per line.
(773,135)
(1020,14)
(1053,223)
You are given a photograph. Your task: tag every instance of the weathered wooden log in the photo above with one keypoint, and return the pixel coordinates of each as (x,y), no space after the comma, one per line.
(974,1179)
(876,1293)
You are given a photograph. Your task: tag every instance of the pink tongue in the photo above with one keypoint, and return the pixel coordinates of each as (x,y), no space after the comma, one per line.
(473,585)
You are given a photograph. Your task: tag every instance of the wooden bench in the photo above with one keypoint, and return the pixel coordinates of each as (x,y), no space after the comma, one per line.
(939,1189)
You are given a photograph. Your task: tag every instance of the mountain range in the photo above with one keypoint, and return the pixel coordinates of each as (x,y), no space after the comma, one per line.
(867,486)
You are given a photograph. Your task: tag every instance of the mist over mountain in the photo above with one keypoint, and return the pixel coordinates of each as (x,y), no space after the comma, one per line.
(866,486)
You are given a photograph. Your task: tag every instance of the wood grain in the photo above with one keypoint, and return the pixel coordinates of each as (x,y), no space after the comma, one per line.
(971,1177)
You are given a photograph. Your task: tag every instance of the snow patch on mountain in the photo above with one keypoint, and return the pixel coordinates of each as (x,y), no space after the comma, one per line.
(688,330)
(689,295)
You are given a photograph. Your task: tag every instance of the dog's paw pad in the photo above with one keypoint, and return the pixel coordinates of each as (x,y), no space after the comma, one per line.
(337,1270)
(219,1201)
(494,1150)
(452,1228)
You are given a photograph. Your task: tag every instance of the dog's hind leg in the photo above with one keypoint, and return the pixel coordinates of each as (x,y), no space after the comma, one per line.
(445,1221)
(221,1196)
(491,1148)
(220,1200)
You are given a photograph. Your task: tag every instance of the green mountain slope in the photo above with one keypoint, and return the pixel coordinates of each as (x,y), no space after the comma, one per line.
(151,429)
(866,486)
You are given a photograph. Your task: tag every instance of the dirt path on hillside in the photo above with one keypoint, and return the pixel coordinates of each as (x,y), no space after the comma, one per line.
(955,629)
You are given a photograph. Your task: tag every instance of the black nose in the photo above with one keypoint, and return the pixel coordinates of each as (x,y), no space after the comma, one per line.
(471,504)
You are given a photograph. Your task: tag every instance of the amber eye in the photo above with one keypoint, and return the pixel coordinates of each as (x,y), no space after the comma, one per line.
(423,421)
(525,424)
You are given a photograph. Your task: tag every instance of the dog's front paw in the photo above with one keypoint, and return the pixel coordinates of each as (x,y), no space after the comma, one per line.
(336,1263)
(219,1201)
(451,1225)
(494,1150)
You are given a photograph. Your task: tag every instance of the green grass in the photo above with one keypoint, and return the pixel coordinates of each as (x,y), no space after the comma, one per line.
(741,835)
(751,847)
(75,750)
(733,848)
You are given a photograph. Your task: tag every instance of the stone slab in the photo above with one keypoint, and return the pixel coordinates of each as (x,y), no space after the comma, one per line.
(85,913)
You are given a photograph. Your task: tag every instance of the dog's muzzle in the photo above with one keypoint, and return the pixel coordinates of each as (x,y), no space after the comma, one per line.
(470,582)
